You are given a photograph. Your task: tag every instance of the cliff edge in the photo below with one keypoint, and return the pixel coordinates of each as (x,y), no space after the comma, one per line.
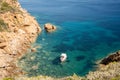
(18,29)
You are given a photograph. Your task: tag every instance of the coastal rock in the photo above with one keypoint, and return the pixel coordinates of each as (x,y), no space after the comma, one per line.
(21,29)
(35,67)
(111,58)
(33,50)
(49,27)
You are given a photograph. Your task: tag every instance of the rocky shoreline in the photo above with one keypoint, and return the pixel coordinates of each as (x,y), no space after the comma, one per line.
(108,68)
(110,71)
(21,30)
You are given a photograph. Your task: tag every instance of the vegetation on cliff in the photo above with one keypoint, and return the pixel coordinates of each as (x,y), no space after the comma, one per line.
(3,25)
(9,6)
(5,7)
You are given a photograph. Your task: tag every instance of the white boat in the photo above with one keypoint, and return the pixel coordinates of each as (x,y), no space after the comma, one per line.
(63,57)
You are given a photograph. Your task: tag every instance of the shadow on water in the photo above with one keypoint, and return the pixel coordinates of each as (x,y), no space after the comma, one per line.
(90,66)
(56,61)
(80,57)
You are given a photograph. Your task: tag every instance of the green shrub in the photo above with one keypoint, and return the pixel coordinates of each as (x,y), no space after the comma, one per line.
(8,79)
(3,25)
(14,0)
(6,7)
(116,78)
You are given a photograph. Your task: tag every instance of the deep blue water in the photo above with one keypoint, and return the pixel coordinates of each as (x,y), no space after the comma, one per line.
(87,30)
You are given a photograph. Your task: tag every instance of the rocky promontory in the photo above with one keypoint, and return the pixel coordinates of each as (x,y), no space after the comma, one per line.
(18,29)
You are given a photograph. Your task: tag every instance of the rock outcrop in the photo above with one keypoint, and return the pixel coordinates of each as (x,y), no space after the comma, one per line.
(108,69)
(49,27)
(115,57)
(18,29)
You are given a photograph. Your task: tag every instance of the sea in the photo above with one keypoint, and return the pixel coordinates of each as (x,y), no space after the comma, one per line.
(87,31)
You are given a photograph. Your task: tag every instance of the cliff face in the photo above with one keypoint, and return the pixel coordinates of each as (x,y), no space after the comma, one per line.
(18,30)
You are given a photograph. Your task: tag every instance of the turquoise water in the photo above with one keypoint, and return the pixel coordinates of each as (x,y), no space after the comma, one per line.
(87,31)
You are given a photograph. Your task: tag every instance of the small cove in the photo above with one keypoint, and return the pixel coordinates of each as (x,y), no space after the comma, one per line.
(86,30)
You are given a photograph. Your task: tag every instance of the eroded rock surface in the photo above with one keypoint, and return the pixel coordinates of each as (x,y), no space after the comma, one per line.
(21,29)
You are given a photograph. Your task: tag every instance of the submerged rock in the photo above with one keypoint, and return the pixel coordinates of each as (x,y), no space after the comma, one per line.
(32,58)
(80,57)
(33,50)
(35,67)
(56,61)
(49,27)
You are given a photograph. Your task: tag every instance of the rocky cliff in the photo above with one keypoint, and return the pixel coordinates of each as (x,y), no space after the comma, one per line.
(18,29)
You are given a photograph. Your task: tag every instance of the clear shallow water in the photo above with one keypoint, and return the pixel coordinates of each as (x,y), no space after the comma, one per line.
(87,30)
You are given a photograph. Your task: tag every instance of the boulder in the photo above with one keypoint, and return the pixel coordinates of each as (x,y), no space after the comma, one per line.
(49,27)
(33,50)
